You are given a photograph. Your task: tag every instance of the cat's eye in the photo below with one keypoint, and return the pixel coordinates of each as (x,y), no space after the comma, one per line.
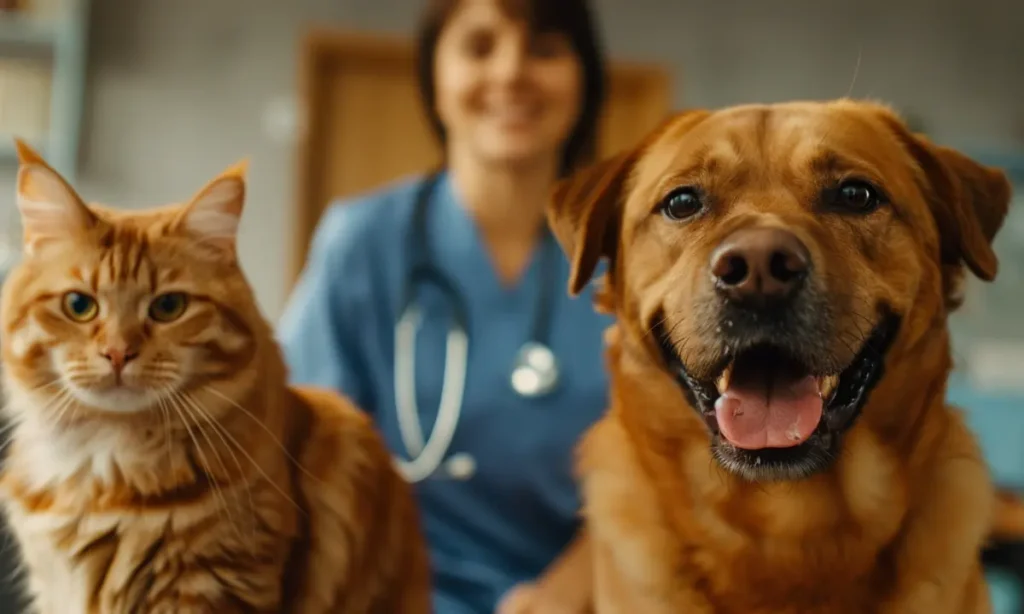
(168,307)
(79,307)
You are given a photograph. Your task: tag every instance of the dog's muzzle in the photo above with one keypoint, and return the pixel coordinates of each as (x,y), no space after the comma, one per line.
(778,398)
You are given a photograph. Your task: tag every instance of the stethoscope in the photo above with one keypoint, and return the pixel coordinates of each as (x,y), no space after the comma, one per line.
(534,371)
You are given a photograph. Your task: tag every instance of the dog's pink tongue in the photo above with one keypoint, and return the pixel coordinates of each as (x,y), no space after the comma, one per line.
(759,413)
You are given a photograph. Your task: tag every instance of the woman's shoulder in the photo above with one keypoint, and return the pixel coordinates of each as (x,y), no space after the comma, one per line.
(375,217)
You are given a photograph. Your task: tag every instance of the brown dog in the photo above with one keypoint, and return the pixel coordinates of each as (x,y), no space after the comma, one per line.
(778,440)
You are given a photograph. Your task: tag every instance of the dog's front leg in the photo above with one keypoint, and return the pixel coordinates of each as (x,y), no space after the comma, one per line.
(938,567)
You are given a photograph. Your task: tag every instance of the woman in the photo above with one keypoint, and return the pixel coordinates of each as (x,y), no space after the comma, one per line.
(513,90)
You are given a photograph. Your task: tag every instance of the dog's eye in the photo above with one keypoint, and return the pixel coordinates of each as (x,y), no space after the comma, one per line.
(859,196)
(681,204)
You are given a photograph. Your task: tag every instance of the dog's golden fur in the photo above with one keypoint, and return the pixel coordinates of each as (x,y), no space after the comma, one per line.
(894,525)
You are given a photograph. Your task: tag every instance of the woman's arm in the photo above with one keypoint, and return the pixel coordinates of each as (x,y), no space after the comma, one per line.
(566,587)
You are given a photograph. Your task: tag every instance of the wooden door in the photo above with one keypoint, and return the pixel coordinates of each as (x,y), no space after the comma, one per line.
(364,125)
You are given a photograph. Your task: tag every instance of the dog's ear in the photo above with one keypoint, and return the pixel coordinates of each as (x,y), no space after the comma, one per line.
(585,214)
(969,202)
(585,210)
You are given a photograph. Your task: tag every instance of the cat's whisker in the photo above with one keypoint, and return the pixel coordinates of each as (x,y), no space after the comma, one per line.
(178,410)
(79,369)
(163,366)
(257,466)
(9,430)
(6,430)
(202,420)
(58,404)
(81,380)
(177,402)
(219,430)
(168,371)
(84,372)
(67,402)
(259,423)
(59,399)
(7,434)
(17,571)
(229,506)
(37,389)
(53,382)
(168,428)
(75,406)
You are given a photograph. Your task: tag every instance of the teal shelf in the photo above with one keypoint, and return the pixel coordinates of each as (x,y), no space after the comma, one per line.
(67,100)
(19,30)
(1010,160)
(63,39)
(7,152)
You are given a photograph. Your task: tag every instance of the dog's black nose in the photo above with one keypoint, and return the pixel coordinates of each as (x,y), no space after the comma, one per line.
(760,265)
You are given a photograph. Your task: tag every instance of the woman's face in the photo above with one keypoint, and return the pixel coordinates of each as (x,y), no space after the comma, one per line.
(504,94)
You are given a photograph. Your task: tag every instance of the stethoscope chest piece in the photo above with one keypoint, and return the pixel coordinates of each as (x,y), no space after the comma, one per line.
(535,372)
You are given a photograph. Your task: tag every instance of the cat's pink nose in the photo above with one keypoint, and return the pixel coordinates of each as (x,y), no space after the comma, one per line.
(119,357)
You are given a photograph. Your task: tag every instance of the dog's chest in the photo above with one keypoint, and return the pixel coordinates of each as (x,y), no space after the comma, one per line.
(784,555)
(695,548)
(820,575)
(705,576)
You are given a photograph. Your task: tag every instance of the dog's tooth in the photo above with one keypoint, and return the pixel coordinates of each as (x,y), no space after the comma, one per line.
(827,385)
(723,379)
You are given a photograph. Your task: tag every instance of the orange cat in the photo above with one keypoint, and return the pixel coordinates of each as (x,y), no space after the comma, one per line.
(158,462)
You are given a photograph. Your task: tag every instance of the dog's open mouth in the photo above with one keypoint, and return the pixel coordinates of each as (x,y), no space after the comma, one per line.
(774,415)
(768,399)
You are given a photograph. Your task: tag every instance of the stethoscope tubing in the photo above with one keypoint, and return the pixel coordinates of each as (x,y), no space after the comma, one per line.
(427,454)
(426,457)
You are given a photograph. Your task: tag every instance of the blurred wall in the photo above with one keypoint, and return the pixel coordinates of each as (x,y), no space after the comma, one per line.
(179,89)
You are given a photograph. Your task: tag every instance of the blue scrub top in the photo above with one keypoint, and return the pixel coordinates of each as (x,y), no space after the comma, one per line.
(519,509)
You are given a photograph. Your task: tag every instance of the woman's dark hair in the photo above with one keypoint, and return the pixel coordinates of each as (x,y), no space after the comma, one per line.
(569,17)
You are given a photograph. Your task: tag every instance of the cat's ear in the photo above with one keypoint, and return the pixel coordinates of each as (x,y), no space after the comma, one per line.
(50,209)
(212,217)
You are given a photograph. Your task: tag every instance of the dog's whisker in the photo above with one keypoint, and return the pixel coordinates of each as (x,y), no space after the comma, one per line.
(856,72)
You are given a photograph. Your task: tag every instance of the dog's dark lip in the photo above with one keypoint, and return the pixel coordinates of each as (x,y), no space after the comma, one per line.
(855,383)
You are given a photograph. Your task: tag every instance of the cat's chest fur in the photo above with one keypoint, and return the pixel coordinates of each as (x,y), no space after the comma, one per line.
(82,558)
(89,562)
(93,541)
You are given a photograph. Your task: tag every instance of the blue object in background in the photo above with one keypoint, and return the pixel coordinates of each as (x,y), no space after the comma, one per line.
(1005,591)
(992,313)
(998,422)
